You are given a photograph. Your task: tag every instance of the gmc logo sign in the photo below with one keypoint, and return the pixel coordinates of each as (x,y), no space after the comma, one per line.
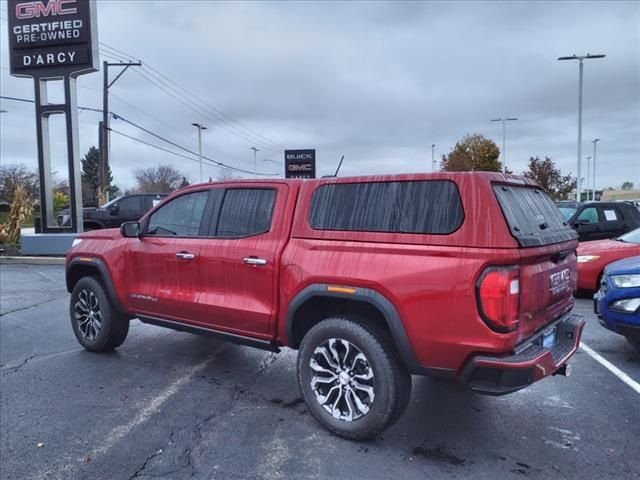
(560,279)
(45,8)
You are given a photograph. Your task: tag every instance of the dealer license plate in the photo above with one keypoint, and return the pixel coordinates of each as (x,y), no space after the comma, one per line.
(549,338)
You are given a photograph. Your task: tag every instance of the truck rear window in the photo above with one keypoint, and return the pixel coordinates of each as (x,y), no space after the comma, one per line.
(533,218)
(425,207)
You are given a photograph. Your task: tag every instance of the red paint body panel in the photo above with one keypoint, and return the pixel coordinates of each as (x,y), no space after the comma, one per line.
(608,251)
(429,279)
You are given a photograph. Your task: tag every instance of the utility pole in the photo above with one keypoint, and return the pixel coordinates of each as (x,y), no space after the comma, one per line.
(433,157)
(580,58)
(588,175)
(200,127)
(594,167)
(255,162)
(504,137)
(104,144)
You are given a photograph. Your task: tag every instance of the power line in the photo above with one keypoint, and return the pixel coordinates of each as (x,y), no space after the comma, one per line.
(140,127)
(152,145)
(172,92)
(221,118)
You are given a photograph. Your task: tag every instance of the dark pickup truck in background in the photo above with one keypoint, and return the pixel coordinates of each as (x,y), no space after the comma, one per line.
(126,208)
(600,220)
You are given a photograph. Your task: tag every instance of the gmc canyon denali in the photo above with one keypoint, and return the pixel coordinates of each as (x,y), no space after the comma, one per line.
(463,275)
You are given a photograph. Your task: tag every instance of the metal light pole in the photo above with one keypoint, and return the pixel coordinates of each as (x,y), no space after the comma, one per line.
(200,127)
(433,157)
(504,137)
(594,168)
(588,174)
(580,58)
(255,162)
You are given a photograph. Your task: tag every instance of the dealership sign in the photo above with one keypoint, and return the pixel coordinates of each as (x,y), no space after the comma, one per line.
(54,41)
(300,163)
(52,36)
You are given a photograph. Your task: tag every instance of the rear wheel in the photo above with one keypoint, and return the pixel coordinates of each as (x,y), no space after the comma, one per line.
(352,378)
(97,325)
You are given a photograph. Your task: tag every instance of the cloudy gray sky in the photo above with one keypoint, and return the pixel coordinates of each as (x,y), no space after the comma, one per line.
(378,82)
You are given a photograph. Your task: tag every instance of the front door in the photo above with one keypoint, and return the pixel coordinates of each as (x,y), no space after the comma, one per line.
(239,263)
(587,224)
(164,274)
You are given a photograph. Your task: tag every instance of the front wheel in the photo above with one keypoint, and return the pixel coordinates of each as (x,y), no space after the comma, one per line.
(97,325)
(352,378)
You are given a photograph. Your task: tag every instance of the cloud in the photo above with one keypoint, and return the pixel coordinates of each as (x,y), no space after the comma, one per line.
(377,82)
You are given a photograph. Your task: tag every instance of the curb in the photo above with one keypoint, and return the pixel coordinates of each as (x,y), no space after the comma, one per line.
(32,260)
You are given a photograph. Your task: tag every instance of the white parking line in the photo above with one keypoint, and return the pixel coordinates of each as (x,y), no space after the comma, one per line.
(611,367)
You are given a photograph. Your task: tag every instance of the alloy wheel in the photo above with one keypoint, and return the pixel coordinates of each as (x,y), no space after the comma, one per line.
(88,315)
(342,379)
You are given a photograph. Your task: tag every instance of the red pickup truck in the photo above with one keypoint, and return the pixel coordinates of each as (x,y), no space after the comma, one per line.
(373,279)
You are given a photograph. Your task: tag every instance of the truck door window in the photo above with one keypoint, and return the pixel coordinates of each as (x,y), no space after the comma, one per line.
(245,212)
(181,217)
(588,215)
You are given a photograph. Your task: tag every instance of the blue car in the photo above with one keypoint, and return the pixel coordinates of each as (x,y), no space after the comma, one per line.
(617,303)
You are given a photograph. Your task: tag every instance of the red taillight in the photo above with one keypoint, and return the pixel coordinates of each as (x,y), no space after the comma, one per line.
(498,293)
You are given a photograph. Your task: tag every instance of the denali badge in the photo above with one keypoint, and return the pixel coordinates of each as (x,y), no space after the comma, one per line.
(139,296)
(559,280)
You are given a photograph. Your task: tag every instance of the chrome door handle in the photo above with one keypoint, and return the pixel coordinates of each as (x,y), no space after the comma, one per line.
(185,255)
(254,261)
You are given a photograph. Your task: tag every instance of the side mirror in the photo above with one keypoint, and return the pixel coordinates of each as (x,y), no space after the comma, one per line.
(130,229)
(114,209)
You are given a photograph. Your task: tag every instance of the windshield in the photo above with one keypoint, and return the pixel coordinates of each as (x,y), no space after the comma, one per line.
(567,212)
(631,237)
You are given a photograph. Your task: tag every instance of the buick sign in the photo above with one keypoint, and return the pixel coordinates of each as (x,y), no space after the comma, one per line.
(300,163)
(52,36)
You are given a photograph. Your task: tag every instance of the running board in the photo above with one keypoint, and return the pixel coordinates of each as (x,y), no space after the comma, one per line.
(229,337)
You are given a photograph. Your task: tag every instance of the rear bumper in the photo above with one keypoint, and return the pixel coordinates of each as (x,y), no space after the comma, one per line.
(530,361)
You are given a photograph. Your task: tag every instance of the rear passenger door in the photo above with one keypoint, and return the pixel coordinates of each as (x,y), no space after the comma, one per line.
(613,224)
(239,261)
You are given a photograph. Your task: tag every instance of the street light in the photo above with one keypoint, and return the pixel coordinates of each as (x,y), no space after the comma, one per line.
(588,174)
(433,157)
(255,162)
(200,128)
(594,167)
(504,137)
(580,58)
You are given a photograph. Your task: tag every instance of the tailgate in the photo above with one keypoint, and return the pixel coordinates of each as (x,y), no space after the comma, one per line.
(548,263)
(547,282)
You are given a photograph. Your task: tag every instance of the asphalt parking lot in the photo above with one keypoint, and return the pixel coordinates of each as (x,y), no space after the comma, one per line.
(174,405)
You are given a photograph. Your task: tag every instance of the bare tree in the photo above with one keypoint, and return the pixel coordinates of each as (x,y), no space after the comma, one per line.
(225,174)
(160,179)
(15,175)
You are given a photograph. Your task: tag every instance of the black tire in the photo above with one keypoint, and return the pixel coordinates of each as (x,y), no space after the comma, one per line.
(391,381)
(635,343)
(113,326)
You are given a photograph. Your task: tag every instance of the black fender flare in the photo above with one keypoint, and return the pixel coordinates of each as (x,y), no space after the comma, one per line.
(105,277)
(366,295)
